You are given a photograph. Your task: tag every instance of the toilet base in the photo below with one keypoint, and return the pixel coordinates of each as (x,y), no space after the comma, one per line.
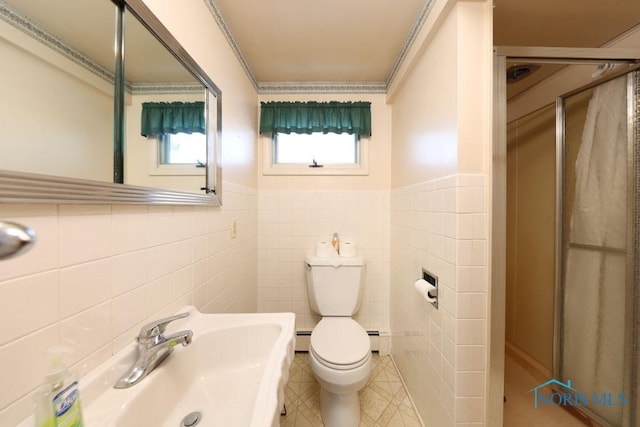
(339,410)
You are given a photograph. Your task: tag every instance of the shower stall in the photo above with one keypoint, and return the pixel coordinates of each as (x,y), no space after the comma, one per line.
(597,318)
(594,368)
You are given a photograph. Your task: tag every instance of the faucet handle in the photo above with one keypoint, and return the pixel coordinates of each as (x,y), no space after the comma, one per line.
(157,327)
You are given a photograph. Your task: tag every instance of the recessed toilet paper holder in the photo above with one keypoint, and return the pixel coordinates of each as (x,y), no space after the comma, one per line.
(428,287)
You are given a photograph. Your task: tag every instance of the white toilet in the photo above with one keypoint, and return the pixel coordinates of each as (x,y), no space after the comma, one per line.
(340,350)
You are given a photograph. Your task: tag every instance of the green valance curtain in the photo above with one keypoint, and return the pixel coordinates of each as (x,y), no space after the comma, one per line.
(160,118)
(309,117)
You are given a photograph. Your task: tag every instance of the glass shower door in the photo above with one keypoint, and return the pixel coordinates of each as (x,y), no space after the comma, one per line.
(595,277)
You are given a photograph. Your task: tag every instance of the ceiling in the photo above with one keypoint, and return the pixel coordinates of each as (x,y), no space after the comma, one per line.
(348,41)
(329,40)
(362,40)
(563,23)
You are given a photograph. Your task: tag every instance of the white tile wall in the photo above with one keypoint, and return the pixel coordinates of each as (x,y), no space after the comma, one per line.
(441,225)
(97,273)
(290,224)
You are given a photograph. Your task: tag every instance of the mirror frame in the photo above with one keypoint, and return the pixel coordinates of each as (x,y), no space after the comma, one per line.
(21,187)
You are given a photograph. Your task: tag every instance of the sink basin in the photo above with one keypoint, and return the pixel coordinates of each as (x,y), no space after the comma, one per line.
(233,374)
(219,380)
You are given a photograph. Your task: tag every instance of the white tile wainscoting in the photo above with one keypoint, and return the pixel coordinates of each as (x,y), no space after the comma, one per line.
(290,223)
(441,225)
(98,272)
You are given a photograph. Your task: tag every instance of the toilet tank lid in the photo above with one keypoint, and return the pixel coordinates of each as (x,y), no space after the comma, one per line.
(335,260)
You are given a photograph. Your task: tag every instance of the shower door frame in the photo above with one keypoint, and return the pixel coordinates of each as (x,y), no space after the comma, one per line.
(497,292)
(631,314)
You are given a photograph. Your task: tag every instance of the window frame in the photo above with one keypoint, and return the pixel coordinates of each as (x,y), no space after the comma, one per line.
(269,167)
(156,168)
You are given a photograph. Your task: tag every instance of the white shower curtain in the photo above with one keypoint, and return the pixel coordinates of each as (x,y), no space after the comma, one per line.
(594,286)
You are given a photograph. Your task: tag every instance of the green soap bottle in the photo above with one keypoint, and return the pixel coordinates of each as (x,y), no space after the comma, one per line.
(58,402)
(45,415)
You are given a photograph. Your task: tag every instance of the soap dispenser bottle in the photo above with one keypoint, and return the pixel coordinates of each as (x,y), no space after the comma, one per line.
(335,242)
(58,400)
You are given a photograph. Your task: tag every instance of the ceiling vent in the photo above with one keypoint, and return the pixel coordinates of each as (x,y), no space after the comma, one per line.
(515,73)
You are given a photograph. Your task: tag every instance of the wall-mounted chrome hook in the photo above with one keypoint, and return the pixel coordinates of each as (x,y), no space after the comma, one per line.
(15,239)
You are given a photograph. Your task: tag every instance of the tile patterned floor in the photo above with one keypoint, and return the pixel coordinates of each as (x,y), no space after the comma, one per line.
(383,400)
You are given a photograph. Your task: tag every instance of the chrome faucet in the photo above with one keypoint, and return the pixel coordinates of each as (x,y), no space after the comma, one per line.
(153,348)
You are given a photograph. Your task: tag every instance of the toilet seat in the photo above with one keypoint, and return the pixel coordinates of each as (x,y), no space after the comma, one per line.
(340,343)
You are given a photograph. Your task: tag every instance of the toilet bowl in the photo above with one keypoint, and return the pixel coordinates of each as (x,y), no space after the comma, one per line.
(339,349)
(340,355)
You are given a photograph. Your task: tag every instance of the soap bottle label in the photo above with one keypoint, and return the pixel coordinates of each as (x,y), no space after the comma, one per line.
(67,407)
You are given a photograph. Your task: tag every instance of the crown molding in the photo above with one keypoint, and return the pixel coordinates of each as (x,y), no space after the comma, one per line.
(165,88)
(320,87)
(411,38)
(39,33)
(217,16)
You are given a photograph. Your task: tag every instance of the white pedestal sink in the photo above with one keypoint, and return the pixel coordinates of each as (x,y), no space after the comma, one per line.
(233,374)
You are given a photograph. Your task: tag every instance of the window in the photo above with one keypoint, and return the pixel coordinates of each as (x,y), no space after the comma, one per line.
(315,154)
(182,149)
(178,154)
(316,139)
(316,149)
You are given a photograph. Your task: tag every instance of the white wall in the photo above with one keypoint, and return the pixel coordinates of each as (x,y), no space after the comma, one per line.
(57,117)
(439,214)
(424,115)
(97,273)
(295,212)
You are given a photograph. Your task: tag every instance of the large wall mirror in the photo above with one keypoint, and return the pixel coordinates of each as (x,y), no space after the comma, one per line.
(83,124)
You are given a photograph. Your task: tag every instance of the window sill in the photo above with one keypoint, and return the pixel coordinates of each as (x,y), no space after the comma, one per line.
(175,170)
(327,170)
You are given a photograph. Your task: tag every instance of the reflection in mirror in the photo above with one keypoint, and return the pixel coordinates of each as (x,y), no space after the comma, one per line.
(59,109)
(57,84)
(170,152)
(175,87)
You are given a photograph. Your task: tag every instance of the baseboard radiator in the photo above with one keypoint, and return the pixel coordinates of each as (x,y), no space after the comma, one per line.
(380,341)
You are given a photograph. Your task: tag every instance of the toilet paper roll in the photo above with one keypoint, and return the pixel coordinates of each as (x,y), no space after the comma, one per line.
(348,249)
(423,287)
(324,249)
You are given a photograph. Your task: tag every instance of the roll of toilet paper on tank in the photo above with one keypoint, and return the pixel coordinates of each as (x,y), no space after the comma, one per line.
(348,249)
(423,287)
(323,249)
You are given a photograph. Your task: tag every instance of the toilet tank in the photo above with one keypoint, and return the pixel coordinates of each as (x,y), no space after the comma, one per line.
(335,284)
